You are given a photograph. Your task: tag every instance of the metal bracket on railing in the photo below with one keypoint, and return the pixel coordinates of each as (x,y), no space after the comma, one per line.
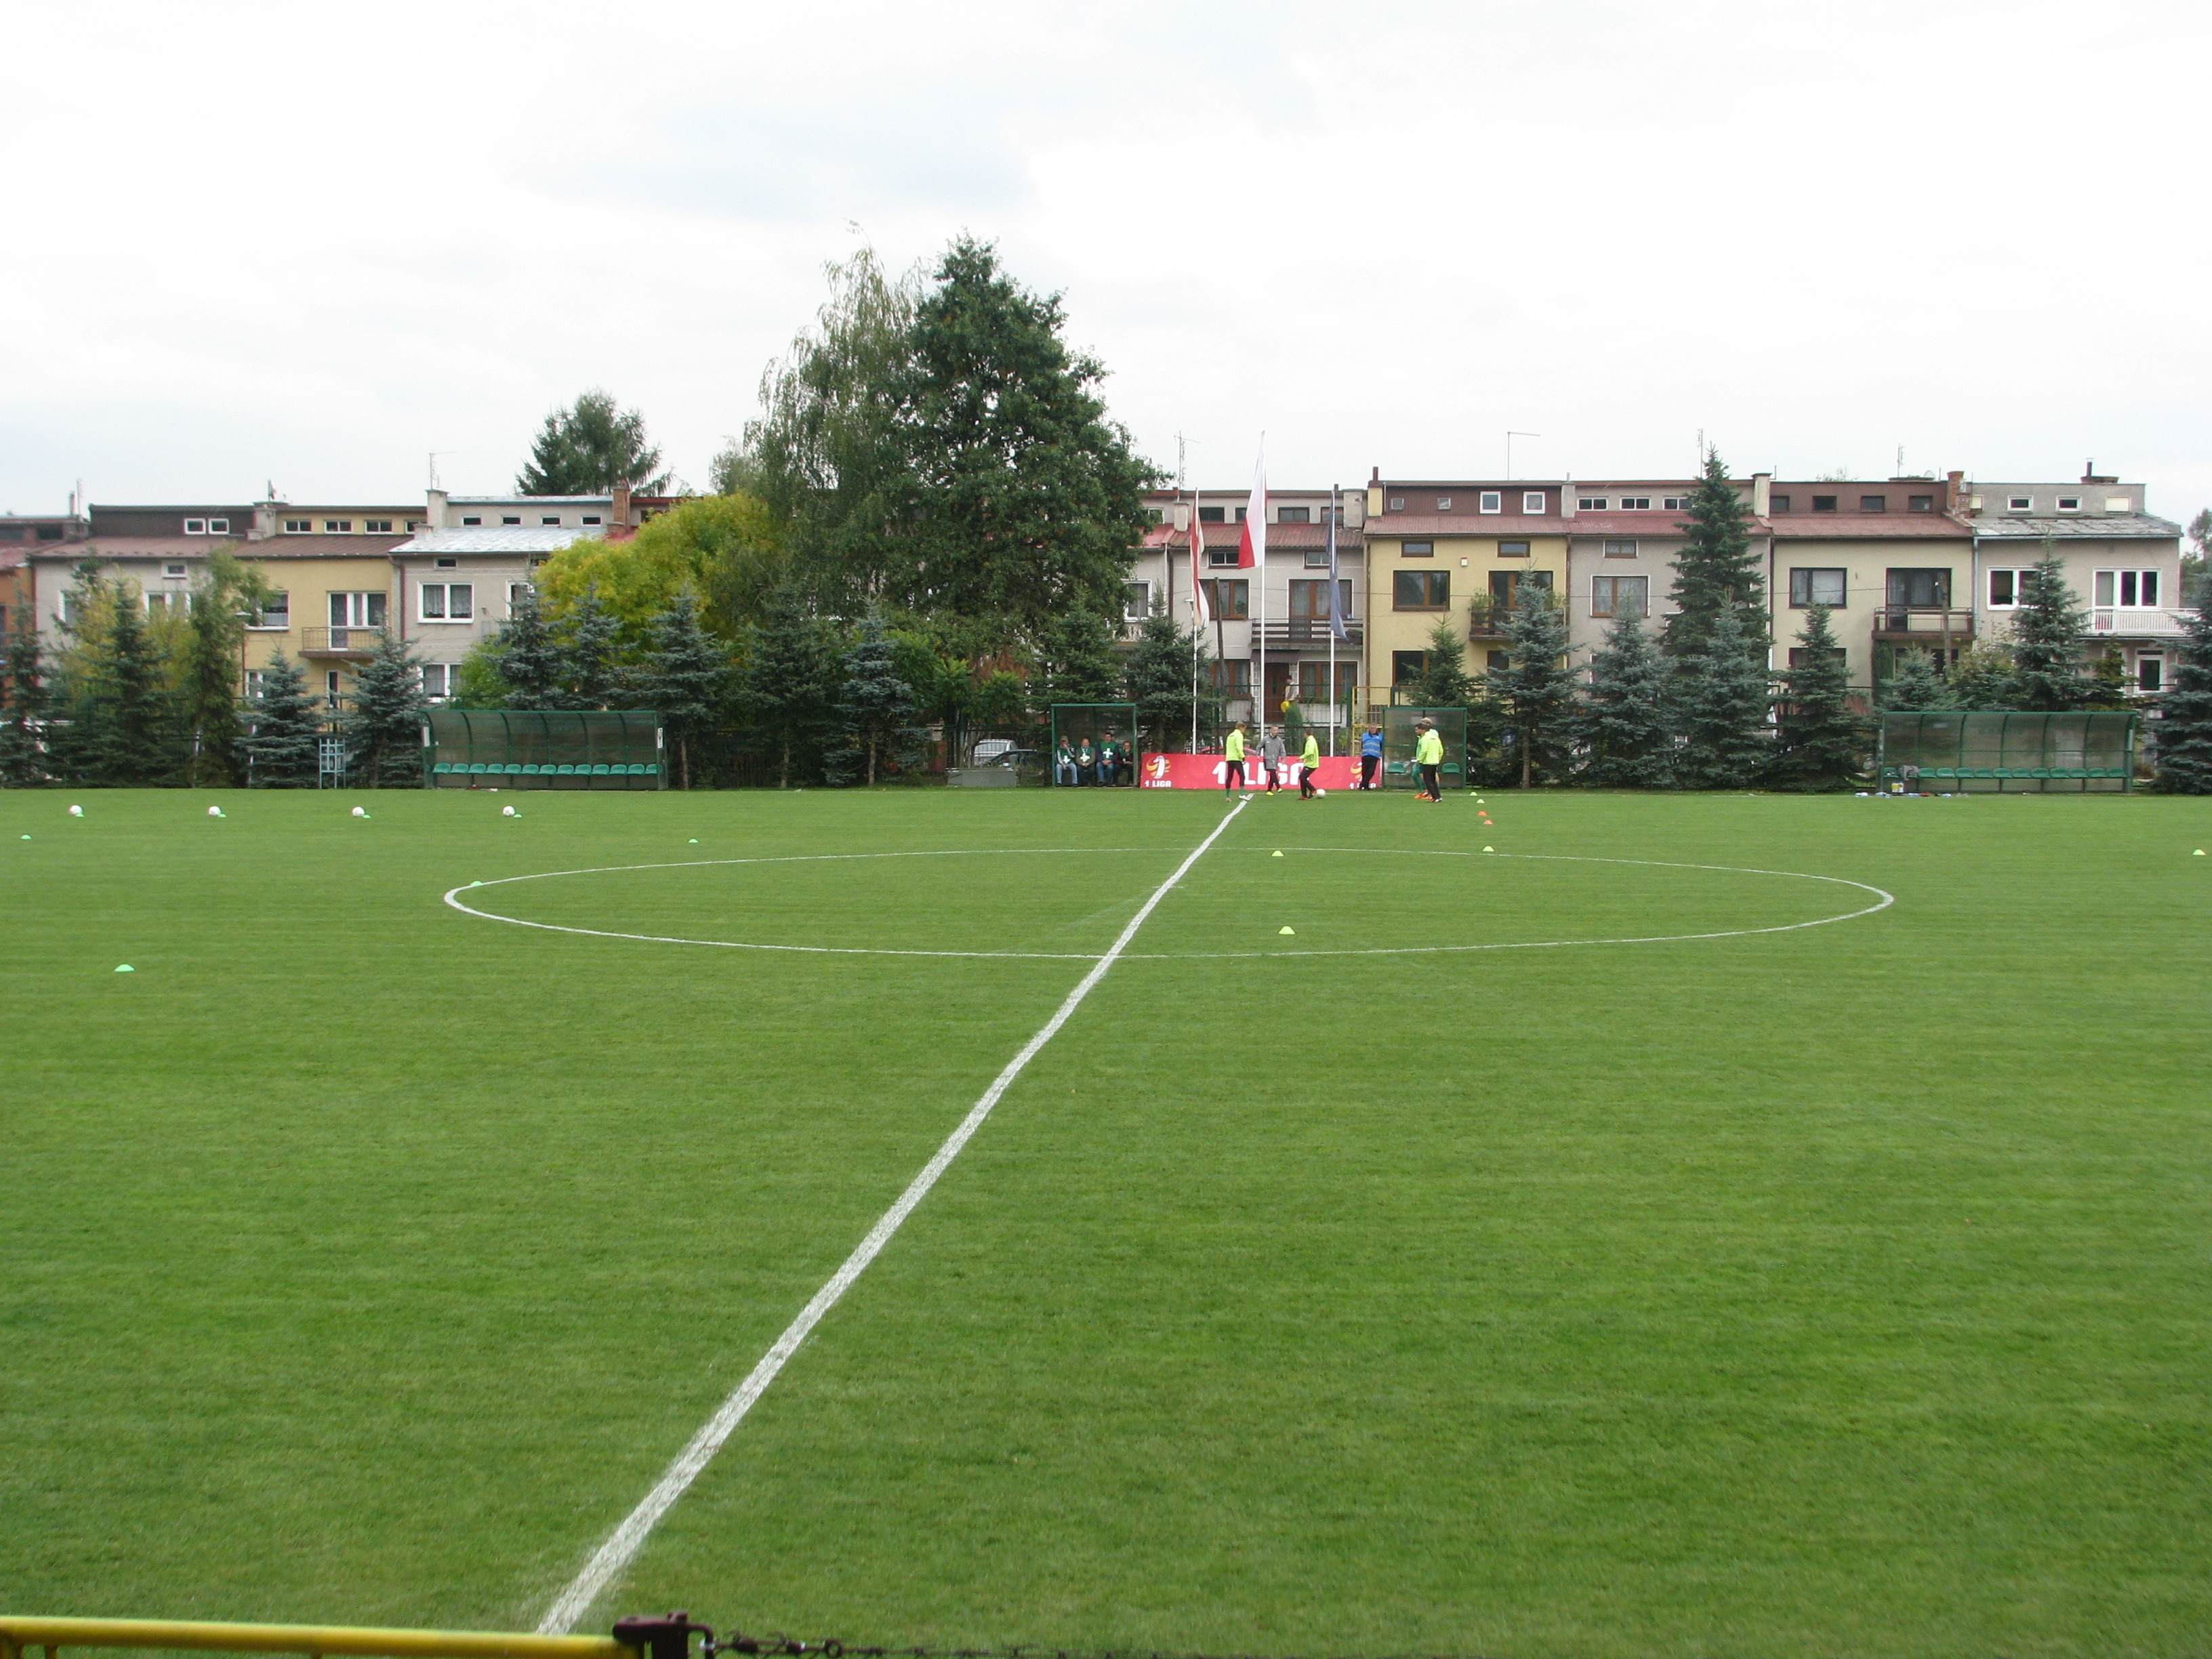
(668,1637)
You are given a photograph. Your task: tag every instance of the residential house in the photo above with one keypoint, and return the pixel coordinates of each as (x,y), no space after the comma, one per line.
(1892,558)
(1290,590)
(456,587)
(1455,551)
(158,552)
(1624,537)
(331,595)
(20,535)
(2122,563)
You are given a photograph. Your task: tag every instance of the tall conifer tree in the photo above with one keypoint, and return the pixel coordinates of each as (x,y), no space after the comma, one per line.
(790,678)
(1721,711)
(282,728)
(529,657)
(124,704)
(1717,570)
(1819,744)
(22,759)
(1535,690)
(2048,631)
(594,638)
(1623,722)
(383,718)
(1915,683)
(1160,677)
(1079,659)
(2185,722)
(685,678)
(876,710)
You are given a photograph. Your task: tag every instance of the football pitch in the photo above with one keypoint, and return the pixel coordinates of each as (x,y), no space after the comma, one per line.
(1644,1237)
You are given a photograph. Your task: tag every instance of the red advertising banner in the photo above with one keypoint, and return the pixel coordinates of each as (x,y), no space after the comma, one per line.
(1208,771)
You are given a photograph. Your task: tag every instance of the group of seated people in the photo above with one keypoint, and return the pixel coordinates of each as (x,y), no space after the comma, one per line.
(1103,763)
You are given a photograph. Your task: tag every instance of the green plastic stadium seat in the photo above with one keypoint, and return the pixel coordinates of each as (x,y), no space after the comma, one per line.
(529,769)
(629,769)
(440,765)
(1985,772)
(599,769)
(652,768)
(476,768)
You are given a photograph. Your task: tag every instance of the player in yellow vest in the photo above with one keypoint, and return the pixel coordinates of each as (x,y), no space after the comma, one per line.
(1232,773)
(1429,756)
(1309,763)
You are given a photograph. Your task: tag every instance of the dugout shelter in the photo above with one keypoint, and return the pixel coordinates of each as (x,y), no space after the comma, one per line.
(1996,751)
(543,749)
(1095,720)
(1399,737)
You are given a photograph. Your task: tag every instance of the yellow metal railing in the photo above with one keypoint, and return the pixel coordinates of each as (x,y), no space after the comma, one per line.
(315,1641)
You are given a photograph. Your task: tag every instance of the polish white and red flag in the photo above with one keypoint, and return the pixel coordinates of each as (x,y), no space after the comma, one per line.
(1252,542)
(1201,613)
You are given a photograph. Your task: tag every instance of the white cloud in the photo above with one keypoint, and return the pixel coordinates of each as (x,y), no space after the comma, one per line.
(271,241)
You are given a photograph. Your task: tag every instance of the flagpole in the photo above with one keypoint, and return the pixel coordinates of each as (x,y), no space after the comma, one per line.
(1334,496)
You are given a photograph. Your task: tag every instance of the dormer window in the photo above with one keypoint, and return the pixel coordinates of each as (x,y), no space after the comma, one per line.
(2019,503)
(511,517)
(1397,503)
(1490,500)
(593,518)
(1636,503)
(196,527)
(471,520)
(1920,503)
(1590,504)
(1675,503)
(2069,503)
(1294,515)
(2117,504)
(298,526)
(1532,501)
(550,517)
(1874,503)
(1824,503)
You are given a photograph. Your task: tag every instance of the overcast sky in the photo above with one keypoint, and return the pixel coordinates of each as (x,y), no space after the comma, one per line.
(311,245)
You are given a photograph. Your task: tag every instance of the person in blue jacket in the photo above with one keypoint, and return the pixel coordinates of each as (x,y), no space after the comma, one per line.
(1370,756)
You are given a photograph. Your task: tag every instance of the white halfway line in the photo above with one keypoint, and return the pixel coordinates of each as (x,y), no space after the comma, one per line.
(622,1544)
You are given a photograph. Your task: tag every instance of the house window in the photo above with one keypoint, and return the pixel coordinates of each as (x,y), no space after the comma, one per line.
(593,518)
(255,679)
(512,518)
(1421,590)
(12,532)
(1874,503)
(1512,549)
(338,526)
(218,526)
(277,612)
(1824,503)
(173,570)
(1213,515)
(447,602)
(439,679)
(472,520)
(2069,503)
(1620,595)
(45,533)
(2006,588)
(1497,662)
(414,524)
(1417,550)
(1620,547)
(2128,589)
(2019,503)
(515,591)
(1675,503)
(168,605)
(1221,557)
(357,611)
(1310,601)
(1232,678)
(1241,512)
(1313,682)
(196,527)
(550,517)
(1407,665)
(1636,503)
(448,564)
(298,526)
(1443,503)
(1591,503)
(1920,503)
(1927,590)
(2150,674)
(1136,601)
(1294,515)
(1397,503)
(1817,586)
(1490,500)
(330,688)
(2117,504)
(377,526)
(1317,558)
(1230,601)
(1152,514)
(1532,501)
(1777,503)
(1505,585)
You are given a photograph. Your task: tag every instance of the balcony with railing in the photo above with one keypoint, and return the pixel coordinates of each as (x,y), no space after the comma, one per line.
(1923,623)
(1487,617)
(1291,631)
(339,641)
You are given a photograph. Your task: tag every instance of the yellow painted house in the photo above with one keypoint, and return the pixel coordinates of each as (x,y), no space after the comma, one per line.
(1453,552)
(333,592)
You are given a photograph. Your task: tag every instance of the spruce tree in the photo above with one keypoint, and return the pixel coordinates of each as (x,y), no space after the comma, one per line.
(1982,678)
(1819,744)
(1915,683)
(1623,723)
(1443,681)
(789,679)
(875,709)
(529,657)
(2048,631)
(1717,570)
(125,706)
(2184,726)
(684,678)
(1722,702)
(1079,659)
(213,646)
(2108,683)
(281,729)
(383,718)
(1160,678)
(594,638)
(1535,690)
(22,759)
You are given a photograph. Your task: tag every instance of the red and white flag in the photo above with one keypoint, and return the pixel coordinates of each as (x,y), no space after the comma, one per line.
(1252,544)
(1200,613)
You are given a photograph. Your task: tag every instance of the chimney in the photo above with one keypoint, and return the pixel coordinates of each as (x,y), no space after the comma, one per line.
(435,514)
(2090,475)
(621,514)
(1954,491)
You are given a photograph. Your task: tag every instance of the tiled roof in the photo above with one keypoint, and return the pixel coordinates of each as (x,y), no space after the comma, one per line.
(1469,524)
(532,501)
(2074,526)
(1660,522)
(1867,526)
(132,547)
(509,538)
(320,547)
(1281,537)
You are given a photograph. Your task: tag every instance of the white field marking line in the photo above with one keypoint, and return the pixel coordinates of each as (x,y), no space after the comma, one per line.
(624,1542)
(794,858)
(1886,899)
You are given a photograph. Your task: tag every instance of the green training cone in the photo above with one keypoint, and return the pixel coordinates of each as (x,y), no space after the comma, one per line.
(126,968)
(1490,850)
(1288,930)
(1279,852)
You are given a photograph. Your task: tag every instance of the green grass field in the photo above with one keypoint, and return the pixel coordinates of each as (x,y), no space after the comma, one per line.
(1837,1291)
